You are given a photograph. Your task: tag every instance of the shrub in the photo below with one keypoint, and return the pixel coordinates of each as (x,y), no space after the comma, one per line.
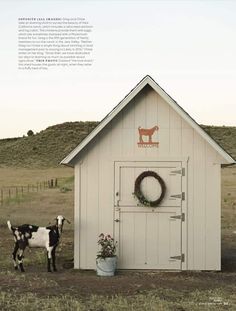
(30,133)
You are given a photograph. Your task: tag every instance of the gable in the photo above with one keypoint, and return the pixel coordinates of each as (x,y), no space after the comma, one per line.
(145,107)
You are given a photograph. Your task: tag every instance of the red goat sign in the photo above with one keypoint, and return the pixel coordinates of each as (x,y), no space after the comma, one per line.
(147,133)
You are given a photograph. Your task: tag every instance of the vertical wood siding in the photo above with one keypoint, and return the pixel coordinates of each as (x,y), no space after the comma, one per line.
(94,201)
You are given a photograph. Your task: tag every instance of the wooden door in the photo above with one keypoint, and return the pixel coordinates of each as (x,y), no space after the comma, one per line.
(148,238)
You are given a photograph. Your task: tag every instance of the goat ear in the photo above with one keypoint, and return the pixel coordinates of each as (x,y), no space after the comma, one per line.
(67,221)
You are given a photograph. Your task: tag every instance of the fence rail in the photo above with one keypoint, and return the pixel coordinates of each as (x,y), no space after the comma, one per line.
(10,192)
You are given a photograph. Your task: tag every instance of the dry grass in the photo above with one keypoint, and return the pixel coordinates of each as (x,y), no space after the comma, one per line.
(10,176)
(148,301)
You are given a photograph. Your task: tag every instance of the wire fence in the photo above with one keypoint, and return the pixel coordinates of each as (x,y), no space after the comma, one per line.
(10,192)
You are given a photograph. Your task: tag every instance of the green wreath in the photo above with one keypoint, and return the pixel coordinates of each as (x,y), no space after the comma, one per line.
(138,192)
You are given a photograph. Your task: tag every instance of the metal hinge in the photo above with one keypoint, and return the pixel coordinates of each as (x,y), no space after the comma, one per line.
(176,196)
(181,257)
(181,217)
(179,196)
(176,172)
(181,171)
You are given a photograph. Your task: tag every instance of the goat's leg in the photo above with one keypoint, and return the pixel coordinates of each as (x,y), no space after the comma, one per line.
(140,139)
(20,259)
(49,256)
(54,259)
(14,255)
(150,139)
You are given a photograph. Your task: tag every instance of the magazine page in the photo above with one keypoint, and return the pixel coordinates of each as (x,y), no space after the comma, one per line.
(117,155)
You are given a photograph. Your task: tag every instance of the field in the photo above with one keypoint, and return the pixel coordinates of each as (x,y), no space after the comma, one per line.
(69,289)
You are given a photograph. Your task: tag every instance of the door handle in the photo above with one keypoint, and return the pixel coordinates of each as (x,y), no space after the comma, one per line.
(117,220)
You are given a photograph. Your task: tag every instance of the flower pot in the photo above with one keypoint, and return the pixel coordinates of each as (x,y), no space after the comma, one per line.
(106,266)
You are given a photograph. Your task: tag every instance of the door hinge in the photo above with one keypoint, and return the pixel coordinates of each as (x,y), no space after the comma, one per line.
(181,217)
(180,257)
(181,172)
(179,196)
(175,172)
(176,196)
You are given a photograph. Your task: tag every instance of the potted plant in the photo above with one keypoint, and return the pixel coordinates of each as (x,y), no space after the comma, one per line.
(106,258)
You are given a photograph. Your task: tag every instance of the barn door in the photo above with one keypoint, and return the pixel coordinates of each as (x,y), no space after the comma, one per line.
(149,238)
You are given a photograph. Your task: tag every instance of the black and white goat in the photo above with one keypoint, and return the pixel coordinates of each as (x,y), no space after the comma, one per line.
(34,236)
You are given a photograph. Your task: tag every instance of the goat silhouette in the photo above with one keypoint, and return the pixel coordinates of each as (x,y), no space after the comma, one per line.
(147,132)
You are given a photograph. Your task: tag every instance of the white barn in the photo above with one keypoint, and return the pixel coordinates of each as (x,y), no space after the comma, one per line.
(148,131)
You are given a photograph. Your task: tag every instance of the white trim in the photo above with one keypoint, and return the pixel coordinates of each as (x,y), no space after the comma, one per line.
(160,159)
(184,209)
(77,227)
(147,80)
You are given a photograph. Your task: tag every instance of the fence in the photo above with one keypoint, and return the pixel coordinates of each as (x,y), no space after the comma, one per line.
(7,193)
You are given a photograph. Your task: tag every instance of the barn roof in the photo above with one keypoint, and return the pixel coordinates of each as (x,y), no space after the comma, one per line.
(147,80)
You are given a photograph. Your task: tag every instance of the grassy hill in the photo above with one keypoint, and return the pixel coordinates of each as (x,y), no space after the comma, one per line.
(46,148)
(225,136)
(50,146)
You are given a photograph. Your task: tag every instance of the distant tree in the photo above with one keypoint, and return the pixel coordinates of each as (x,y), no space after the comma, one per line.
(30,133)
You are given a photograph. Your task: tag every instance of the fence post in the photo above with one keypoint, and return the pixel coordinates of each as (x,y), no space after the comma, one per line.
(14,191)
(1,196)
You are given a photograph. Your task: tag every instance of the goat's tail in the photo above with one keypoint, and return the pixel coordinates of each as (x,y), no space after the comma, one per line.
(9,225)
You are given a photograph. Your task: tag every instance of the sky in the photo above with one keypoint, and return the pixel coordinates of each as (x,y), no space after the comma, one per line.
(187,47)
